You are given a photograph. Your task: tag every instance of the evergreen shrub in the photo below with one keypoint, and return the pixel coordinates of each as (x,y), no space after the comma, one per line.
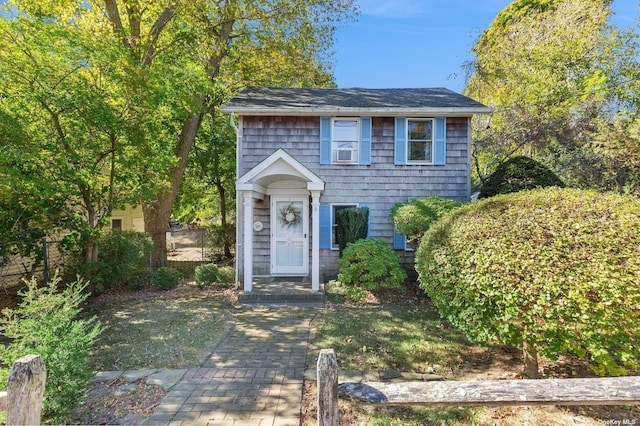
(415,218)
(123,261)
(352,224)
(370,264)
(212,274)
(517,174)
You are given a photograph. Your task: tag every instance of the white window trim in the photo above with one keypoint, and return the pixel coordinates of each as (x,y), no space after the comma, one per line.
(408,142)
(333,220)
(356,152)
(116,218)
(407,247)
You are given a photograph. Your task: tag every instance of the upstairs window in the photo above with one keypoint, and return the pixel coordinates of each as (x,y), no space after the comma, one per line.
(344,142)
(419,141)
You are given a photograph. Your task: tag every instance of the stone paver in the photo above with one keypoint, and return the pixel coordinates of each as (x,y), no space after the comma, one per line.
(253,377)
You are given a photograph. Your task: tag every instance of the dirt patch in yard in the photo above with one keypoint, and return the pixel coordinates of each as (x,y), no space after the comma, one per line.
(118,402)
(160,329)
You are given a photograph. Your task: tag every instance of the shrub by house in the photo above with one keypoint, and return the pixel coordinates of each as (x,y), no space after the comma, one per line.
(369,264)
(352,225)
(551,270)
(415,218)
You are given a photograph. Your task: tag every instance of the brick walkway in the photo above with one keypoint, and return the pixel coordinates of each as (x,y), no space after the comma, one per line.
(253,377)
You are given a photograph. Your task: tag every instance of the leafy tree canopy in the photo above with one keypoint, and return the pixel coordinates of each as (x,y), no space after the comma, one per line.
(559,77)
(109,95)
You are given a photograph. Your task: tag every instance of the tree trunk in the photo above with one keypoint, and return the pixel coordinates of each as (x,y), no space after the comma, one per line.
(91,247)
(158,212)
(156,222)
(530,358)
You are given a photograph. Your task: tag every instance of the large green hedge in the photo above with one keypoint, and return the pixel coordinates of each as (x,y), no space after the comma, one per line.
(517,174)
(555,270)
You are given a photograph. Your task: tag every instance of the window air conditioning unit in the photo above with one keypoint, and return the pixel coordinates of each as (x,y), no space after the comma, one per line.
(345,155)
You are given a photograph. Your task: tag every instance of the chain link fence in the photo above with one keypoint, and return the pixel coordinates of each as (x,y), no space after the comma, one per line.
(187,245)
(187,248)
(22,260)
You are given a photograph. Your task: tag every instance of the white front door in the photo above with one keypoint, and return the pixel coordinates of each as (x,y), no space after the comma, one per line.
(289,235)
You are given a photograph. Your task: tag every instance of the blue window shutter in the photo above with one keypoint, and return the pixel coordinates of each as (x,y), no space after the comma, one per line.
(325,226)
(365,141)
(399,241)
(440,143)
(400,141)
(325,140)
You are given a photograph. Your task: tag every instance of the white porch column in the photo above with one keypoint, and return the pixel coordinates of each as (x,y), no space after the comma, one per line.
(315,247)
(248,240)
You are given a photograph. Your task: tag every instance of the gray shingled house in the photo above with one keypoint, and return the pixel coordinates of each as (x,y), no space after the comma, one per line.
(303,154)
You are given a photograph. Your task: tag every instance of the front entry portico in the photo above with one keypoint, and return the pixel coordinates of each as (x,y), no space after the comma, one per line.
(291,192)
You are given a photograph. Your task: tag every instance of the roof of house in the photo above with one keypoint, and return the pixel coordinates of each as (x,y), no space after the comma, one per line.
(356,101)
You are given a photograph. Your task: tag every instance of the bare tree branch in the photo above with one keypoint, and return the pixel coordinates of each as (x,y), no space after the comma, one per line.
(155,32)
(113,14)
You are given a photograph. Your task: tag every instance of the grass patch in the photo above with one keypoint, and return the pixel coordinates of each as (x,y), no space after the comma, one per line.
(160,330)
(402,416)
(404,337)
(407,336)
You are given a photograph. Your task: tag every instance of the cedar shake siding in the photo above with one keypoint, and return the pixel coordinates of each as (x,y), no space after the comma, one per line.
(378,185)
(324,149)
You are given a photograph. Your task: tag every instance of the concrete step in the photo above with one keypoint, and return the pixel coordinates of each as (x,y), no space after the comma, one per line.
(306,299)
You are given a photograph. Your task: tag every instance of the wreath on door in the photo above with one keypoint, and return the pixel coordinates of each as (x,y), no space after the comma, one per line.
(290,216)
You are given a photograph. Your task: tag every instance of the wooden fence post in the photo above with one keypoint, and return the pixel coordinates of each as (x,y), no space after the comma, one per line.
(25,390)
(328,413)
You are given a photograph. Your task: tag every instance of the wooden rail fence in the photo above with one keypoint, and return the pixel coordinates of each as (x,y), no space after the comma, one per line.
(590,391)
(25,389)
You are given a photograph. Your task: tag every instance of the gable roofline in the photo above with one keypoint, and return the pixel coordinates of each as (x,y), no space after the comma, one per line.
(279,165)
(355,102)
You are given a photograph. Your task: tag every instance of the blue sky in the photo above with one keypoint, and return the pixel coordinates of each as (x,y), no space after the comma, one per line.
(422,43)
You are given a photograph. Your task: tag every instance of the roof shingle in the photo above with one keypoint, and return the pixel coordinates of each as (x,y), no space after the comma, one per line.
(300,100)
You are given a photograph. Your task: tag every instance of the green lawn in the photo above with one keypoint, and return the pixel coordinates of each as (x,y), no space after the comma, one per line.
(407,336)
(404,337)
